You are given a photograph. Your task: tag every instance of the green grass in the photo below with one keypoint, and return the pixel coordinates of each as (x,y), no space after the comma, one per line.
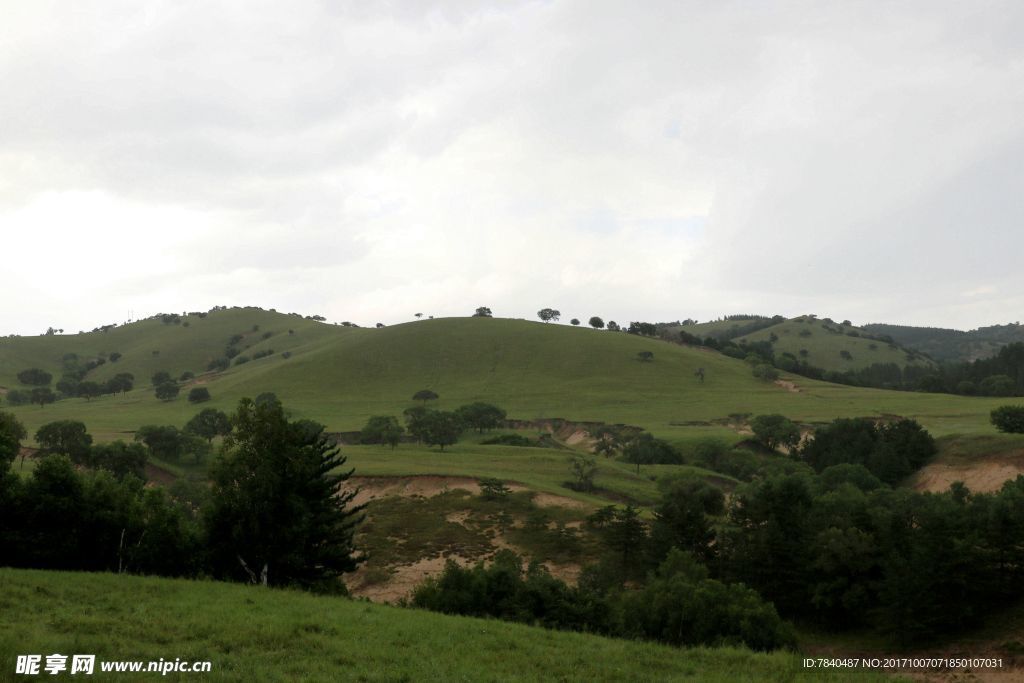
(539,469)
(341,376)
(823,347)
(255,634)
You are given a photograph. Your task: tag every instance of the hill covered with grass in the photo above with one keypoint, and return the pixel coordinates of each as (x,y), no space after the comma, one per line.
(256,634)
(341,375)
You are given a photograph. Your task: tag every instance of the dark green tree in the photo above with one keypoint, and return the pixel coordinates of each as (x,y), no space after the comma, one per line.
(167,391)
(35,377)
(209,423)
(596,322)
(122,382)
(382,429)
(548,314)
(481,416)
(161,377)
(645,356)
(163,441)
(482,312)
(775,430)
(425,395)
(279,514)
(42,396)
(1008,419)
(441,428)
(647,450)
(11,434)
(120,459)
(65,437)
(198,395)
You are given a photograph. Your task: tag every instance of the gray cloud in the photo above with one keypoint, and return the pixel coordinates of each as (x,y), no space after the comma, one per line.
(660,161)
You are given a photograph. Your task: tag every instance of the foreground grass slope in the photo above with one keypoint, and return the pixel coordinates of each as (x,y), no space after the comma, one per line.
(255,634)
(341,376)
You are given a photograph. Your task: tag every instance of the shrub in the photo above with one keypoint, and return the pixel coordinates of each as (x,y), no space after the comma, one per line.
(1009,419)
(241,360)
(198,395)
(509,440)
(765,372)
(219,364)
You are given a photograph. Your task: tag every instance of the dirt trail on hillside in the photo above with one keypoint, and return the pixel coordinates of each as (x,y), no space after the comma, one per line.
(788,386)
(429,485)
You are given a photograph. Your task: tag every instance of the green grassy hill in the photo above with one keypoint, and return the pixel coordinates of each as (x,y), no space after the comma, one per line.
(824,342)
(954,345)
(340,376)
(254,634)
(814,341)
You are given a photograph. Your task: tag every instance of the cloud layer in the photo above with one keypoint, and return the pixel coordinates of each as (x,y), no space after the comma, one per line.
(662,161)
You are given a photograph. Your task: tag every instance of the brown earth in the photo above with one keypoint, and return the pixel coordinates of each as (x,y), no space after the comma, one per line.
(429,485)
(788,386)
(983,476)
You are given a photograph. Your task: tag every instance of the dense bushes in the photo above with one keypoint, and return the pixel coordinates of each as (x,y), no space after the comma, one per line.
(890,452)
(679,605)
(1009,419)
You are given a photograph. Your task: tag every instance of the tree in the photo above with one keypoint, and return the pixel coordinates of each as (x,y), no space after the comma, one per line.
(11,434)
(161,377)
(209,423)
(115,356)
(198,395)
(382,429)
(267,398)
(645,356)
(89,390)
(647,450)
(425,395)
(418,315)
(42,396)
(765,372)
(482,312)
(122,382)
(167,391)
(279,514)
(65,437)
(120,459)
(548,314)
(775,430)
(1009,419)
(441,428)
(493,489)
(481,416)
(613,326)
(35,377)
(596,323)
(574,321)
(164,442)
(680,518)
(583,469)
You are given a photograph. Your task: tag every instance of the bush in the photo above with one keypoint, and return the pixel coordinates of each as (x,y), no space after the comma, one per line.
(219,364)
(775,430)
(765,372)
(509,440)
(241,360)
(1009,419)
(35,377)
(198,395)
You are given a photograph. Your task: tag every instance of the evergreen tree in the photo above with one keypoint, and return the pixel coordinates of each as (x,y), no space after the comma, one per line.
(279,515)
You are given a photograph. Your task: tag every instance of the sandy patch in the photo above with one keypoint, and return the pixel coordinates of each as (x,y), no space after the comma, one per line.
(427,486)
(980,477)
(458,517)
(404,579)
(788,386)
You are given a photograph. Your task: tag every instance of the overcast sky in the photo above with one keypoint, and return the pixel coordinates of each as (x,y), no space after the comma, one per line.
(638,161)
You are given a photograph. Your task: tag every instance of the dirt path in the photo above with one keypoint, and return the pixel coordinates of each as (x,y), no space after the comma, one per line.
(429,485)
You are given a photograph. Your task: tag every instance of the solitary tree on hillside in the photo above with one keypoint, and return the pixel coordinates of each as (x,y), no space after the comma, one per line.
(418,315)
(209,423)
(574,321)
(42,396)
(35,377)
(613,326)
(161,377)
(548,314)
(167,391)
(482,312)
(596,323)
(279,512)
(441,428)
(425,395)
(198,395)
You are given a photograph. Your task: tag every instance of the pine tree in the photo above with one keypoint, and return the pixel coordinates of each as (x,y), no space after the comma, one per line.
(279,515)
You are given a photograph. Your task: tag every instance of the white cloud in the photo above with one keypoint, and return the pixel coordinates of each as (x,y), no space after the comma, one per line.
(366,163)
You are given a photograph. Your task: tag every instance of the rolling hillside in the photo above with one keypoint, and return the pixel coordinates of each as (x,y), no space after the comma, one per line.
(254,634)
(953,345)
(340,376)
(820,343)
